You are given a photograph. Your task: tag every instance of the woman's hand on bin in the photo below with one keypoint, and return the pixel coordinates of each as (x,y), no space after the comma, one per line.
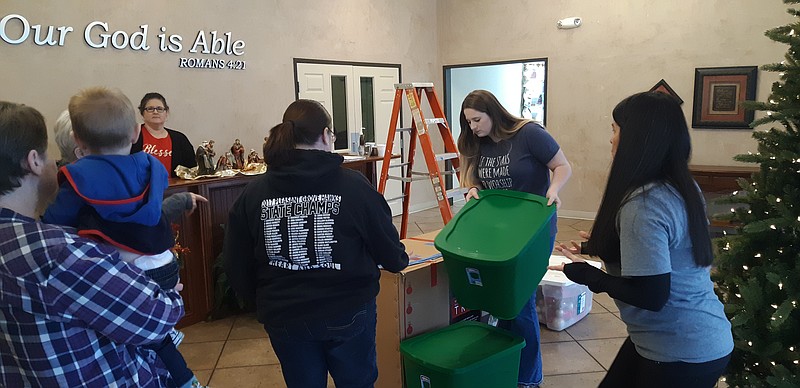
(472,193)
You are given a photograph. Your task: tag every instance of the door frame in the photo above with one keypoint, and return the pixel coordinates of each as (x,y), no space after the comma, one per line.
(391,191)
(295,61)
(447,80)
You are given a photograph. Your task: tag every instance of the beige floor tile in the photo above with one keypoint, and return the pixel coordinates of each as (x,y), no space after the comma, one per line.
(427,227)
(413,229)
(247,352)
(565,223)
(603,350)
(604,300)
(208,331)
(565,235)
(598,326)
(201,355)
(597,308)
(246,327)
(547,335)
(585,225)
(203,375)
(560,358)
(263,376)
(578,380)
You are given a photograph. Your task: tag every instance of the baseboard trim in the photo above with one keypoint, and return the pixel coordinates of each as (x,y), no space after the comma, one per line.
(414,208)
(577,214)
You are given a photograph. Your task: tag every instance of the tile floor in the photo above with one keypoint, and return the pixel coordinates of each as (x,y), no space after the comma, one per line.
(235,352)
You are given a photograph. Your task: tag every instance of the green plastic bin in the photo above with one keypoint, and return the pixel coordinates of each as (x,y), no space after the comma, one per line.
(496,250)
(467,354)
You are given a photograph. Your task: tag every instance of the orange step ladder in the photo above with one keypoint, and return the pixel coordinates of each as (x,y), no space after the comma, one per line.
(420,131)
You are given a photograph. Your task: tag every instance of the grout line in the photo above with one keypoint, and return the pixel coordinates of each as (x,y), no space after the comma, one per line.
(224,345)
(592,355)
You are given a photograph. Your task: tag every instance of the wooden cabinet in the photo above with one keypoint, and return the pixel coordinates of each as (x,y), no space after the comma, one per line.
(720,179)
(203,233)
(715,182)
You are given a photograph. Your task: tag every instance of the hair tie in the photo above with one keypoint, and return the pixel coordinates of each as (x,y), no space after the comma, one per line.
(290,122)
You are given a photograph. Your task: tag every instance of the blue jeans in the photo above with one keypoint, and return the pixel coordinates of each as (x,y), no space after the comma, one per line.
(343,345)
(526,325)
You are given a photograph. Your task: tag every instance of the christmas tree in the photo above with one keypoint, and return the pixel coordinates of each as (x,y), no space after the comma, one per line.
(758,267)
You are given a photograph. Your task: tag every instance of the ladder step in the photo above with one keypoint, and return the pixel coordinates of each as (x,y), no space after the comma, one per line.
(395,199)
(406,179)
(412,85)
(399,165)
(457,192)
(449,172)
(446,156)
(437,120)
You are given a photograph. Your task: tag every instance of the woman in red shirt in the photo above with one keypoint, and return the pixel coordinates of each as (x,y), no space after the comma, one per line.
(170,147)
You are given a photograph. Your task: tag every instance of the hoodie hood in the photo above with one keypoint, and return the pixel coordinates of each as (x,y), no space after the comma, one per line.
(304,169)
(132,189)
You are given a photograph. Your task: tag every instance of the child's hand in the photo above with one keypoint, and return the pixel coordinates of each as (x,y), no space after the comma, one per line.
(196,198)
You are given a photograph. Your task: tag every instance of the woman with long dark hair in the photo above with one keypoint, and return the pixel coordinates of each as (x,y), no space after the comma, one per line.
(651,232)
(503,151)
(305,241)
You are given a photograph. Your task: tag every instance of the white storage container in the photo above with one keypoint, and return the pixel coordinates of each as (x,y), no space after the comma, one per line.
(561,302)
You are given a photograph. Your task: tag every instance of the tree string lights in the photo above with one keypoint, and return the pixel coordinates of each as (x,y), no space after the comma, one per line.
(758,267)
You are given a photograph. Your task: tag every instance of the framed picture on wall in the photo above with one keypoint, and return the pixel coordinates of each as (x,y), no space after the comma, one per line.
(718,94)
(663,87)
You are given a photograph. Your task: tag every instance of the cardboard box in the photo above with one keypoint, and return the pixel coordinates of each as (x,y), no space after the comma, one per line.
(412,302)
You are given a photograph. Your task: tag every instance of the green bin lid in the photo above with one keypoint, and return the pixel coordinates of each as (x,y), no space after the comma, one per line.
(496,227)
(460,347)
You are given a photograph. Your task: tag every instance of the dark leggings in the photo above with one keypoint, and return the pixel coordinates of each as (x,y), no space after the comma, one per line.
(167,277)
(173,361)
(630,369)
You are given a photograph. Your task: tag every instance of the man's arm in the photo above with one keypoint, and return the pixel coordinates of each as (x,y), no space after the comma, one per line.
(382,239)
(95,287)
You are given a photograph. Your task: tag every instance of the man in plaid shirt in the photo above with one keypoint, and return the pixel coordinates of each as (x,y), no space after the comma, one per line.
(71,312)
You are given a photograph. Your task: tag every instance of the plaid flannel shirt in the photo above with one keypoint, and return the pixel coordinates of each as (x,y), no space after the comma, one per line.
(72,314)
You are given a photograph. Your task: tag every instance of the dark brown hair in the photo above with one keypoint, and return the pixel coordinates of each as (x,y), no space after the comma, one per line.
(22,129)
(303,123)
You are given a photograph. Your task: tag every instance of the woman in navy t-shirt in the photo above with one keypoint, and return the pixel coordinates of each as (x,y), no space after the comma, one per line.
(501,151)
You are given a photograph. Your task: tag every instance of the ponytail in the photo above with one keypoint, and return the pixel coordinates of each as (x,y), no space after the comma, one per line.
(304,121)
(279,143)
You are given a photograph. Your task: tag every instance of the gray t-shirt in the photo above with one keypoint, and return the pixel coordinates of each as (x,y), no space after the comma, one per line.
(654,239)
(519,163)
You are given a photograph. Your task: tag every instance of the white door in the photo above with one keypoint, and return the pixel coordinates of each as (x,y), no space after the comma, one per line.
(324,83)
(320,82)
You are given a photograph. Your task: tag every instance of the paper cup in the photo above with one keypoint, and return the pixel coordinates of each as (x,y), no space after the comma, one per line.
(381,149)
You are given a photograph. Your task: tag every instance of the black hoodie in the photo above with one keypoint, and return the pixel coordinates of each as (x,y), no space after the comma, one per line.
(306,238)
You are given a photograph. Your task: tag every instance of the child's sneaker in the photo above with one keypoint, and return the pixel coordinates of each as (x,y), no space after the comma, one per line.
(194,383)
(177,337)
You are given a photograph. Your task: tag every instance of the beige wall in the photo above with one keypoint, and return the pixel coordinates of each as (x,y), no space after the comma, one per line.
(218,104)
(623,47)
